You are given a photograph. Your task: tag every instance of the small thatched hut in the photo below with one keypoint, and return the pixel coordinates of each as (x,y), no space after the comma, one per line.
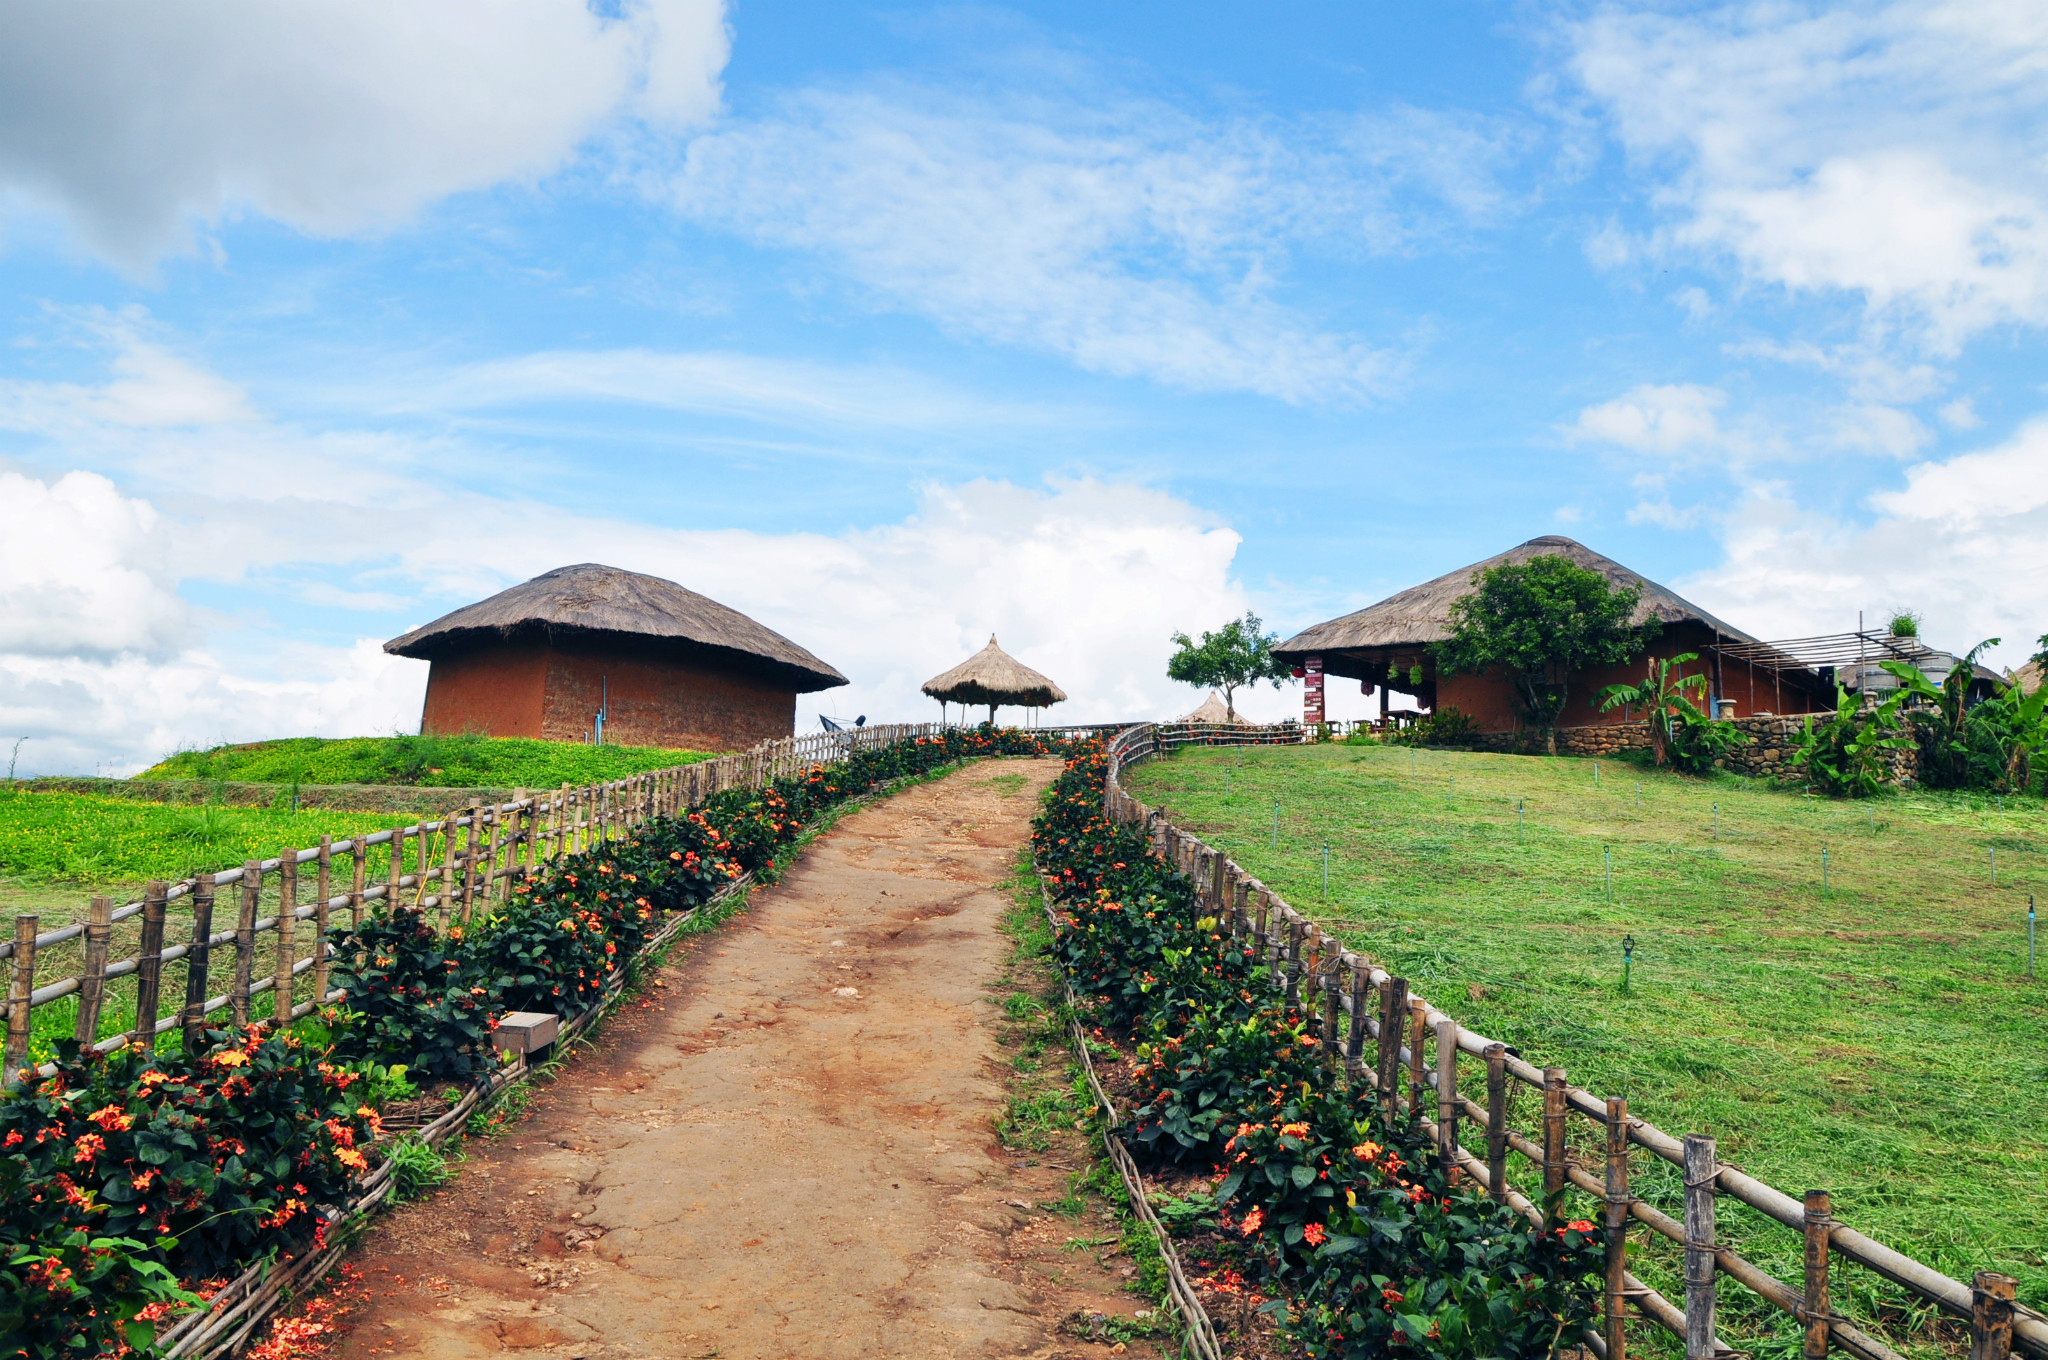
(2028,677)
(1389,644)
(664,666)
(993,677)
(1211,710)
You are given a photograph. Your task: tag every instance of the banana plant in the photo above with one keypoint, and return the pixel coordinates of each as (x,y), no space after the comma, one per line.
(1948,721)
(1680,733)
(1845,756)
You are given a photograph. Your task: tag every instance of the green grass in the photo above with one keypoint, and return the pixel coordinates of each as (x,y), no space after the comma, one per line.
(1878,1039)
(442,762)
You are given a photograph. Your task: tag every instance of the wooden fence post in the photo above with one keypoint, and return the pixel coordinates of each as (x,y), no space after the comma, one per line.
(92,982)
(1393,1006)
(1616,1225)
(195,965)
(1354,1043)
(324,887)
(447,894)
(1333,1006)
(1813,1302)
(1418,1034)
(149,965)
(20,987)
(1447,1091)
(1556,1149)
(1297,930)
(287,939)
(245,941)
(359,853)
(395,872)
(1497,1121)
(472,854)
(1701,1166)
(1991,1296)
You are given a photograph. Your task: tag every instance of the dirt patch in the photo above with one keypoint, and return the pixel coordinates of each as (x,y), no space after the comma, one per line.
(784,1148)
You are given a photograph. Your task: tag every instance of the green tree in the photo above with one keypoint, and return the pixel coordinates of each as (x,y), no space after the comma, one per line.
(1680,733)
(2040,656)
(1235,656)
(1539,621)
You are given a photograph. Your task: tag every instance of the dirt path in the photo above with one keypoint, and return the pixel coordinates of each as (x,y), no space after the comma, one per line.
(791,1153)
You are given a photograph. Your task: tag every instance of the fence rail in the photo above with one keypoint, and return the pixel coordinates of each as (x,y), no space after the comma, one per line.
(452,867)
(1354,1000)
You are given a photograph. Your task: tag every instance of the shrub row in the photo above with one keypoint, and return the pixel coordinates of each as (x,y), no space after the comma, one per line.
(1341,1210)
(132,1183)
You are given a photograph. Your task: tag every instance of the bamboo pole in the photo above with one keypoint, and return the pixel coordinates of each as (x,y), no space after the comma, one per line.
(1497,1121)
(287,932)
(1393,1005)
(195,965)
(1354,1044)
(1418,1037)
(1991,1309)
(359,854)
(20,988)
(1813,1301)
(395,871)
(1616,1226)
(1556,1150)
(1447,1090)
(447,894)
(245,941)
(92,983)
(472,850)
(149,965)
(1700,1166)
(324,888)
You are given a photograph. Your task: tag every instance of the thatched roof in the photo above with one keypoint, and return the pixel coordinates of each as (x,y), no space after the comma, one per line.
(1211,710)
(993,676)
(1422,614)
(590,602)
(2029,676)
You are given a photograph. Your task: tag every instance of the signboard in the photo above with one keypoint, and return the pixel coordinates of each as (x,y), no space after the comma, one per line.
(1312,691)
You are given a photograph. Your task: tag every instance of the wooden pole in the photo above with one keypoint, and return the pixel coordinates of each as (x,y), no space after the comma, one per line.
(1701,1166)
(1393,1006)
(1447,1090)
(92,982)
(359,853)
(1354,1045)
(287,932)
(1295,931)
(1497,1121)
(195,965)
(1813,1303)
(1333,1004)
(1555,1147)
(20,987)
(1418,1040)
(1616,1226)
(1991,1296)
(396,874)
(447,902)
(324,887)
(245,941)
(149,966)
(472,852)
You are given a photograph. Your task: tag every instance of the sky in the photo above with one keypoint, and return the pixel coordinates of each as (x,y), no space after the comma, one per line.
(896,326)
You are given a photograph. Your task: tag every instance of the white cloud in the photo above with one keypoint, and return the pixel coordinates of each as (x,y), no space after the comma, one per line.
(1670,420)
(102,664)
(1960,414)
(1964,542)
(1896,151)
(138,122)
(1119,234)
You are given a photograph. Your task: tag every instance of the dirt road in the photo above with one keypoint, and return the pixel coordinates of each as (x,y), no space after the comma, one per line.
(788,1151)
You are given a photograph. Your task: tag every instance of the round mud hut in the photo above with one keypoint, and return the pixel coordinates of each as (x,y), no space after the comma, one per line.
(593,653)
(993,677)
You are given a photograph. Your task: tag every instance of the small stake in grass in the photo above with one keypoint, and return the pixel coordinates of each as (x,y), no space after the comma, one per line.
(1519,818)
(1596,774)
(1607,854)
(1226,783)
(1825,891)
(1628,954)
(1326,871)
(1717,821)
(1276,823)
(1454,789)
(2030,934)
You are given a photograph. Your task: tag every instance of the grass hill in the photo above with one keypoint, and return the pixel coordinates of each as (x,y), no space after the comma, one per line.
(439,762)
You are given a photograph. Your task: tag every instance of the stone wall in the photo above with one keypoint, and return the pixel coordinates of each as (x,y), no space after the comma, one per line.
(1767,754)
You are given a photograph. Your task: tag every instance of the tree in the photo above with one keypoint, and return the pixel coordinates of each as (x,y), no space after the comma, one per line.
(1539,621)
(1680,734)
(2042,655)
(1236,656)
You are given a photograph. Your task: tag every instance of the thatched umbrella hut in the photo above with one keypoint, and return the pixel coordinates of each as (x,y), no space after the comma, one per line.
(993,677)
(1212,710)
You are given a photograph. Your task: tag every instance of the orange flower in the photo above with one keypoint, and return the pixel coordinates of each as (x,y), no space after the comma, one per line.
(1252,1221)
(1314,1234)
(110,1118)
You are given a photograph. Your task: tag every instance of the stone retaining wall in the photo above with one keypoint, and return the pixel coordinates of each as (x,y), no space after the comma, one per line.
(1766,755)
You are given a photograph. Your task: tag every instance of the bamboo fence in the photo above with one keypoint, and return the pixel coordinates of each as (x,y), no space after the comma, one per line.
(452,867)
(1416,1052)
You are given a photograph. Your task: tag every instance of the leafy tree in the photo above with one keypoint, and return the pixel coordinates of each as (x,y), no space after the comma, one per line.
(2040,656)
(1539,621)
(1680,734)
(1991,746)
(1236,656)
(1943,727)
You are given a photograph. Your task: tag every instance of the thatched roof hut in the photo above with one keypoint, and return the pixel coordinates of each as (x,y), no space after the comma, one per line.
(593,653)
(2029,676)
(1211,710)
(588,602)
(993,677)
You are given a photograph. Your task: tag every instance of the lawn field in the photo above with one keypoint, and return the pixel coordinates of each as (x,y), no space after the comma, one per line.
(1877,1038)
(461,761)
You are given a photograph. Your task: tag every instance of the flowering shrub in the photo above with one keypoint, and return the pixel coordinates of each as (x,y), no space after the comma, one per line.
(213,1160)
(1352,1216)
(79,1294)
(410,997)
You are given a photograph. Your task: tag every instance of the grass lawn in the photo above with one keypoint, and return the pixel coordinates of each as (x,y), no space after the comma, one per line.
(1878,1039)
(446,762)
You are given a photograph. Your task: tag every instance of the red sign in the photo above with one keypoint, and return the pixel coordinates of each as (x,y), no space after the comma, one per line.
(1312,691)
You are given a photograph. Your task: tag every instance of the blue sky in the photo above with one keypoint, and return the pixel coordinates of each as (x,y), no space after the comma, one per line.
(895,326)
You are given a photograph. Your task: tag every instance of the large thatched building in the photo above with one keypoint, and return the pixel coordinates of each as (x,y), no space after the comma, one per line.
(590,650)
(1388,645)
